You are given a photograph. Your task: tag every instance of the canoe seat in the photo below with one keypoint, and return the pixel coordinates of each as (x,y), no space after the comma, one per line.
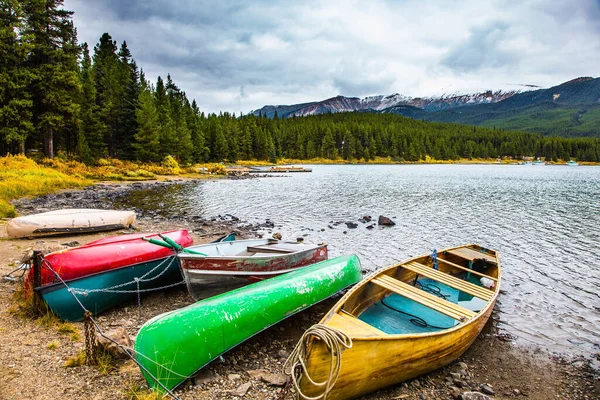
(466,269)
(267,248)
(449,280)
(348,323)
(471,254)
(438,304)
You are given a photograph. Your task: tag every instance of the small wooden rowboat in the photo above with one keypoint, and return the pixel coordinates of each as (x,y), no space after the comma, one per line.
(173,346)
(107,272)
(233,264)
(69,221)
(398,323)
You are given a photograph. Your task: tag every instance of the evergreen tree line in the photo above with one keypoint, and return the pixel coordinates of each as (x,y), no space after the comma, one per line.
(57,95)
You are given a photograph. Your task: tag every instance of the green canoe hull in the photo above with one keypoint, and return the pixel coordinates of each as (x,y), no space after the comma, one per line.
(92,290)
(175,345)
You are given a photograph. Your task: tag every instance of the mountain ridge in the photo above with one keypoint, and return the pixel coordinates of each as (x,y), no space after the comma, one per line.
(571,108)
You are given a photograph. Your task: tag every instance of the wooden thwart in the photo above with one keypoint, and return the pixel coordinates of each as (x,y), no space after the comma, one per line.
(470,254)
(348,323)
(428,300)
(466,269)
(446,279)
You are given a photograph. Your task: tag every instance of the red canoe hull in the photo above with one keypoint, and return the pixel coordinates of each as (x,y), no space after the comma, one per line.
(107,254)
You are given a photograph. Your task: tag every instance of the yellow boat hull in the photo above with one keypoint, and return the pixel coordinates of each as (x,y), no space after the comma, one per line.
(377,359)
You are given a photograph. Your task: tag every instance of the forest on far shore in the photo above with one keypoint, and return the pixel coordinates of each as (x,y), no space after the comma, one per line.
(59,96)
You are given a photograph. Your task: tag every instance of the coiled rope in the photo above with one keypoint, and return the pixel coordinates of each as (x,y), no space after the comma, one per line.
(336,342)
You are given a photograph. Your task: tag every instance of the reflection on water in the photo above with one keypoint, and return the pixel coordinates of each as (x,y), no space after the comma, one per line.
(544,221)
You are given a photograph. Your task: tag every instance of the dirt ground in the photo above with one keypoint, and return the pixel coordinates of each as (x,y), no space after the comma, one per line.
(33,355)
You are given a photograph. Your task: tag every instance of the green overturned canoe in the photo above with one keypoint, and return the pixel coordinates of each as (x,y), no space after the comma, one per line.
(175,345)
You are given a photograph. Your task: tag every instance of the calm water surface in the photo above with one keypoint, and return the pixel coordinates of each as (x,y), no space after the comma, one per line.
(544,221)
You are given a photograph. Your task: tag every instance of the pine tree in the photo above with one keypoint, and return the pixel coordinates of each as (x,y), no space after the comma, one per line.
(328,148)
(200,151)
(92,129)
(109,91)
(147,137)
(164,117)
(53,61)
(15,101)
(127,103)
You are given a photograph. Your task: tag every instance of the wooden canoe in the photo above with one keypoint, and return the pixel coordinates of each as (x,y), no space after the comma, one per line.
(229,265)
(171,347)
(69,221)
(403,321)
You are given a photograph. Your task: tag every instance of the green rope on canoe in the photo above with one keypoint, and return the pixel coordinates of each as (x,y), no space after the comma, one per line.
(175,246)
(336,342)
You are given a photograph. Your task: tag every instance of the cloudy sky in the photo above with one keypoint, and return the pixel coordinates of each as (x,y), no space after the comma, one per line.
(236,55)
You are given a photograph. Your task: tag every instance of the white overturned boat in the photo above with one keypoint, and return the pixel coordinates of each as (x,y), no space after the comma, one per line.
(79,220)
(222,266)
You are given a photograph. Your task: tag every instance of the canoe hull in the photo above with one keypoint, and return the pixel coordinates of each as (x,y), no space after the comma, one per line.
(378,359)
(69,221)
(106,254)
(187,339)
(207,276)
(94,294)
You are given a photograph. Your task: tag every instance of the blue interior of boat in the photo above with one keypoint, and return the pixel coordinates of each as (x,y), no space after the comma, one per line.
(396,314)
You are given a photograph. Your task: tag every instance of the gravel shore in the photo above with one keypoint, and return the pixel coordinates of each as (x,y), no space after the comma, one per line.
(33,356)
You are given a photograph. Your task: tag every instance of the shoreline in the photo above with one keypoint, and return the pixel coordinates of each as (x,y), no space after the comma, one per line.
(30,369)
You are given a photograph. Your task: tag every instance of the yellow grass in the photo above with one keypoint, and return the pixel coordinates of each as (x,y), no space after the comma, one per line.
(134,391)
(22,177)
(76,361)
(53,345)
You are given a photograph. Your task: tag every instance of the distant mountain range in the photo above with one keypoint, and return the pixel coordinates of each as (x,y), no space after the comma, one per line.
(569,109)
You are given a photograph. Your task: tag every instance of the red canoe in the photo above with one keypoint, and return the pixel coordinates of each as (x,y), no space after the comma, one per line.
(107,254)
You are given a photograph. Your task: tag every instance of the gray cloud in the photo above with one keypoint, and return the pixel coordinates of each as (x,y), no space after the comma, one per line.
(235,55)
(482,49)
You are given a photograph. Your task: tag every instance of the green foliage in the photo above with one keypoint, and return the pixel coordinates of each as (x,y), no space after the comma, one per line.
(16,111)
(147,138)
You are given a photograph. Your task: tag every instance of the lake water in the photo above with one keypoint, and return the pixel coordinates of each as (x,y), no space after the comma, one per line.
(544,221)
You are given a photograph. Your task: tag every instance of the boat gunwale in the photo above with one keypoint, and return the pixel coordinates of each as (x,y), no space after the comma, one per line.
(191,256)
(401,336)
(229,272)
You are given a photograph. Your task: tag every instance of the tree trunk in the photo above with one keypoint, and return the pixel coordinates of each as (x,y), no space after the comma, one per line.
(50,144)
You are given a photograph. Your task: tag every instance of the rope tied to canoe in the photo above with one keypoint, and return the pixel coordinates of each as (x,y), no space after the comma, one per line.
(335,341)
(130,352)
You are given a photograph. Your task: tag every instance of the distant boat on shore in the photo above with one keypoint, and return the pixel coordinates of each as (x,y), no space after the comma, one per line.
(279,169)
(571,162)
(539,162)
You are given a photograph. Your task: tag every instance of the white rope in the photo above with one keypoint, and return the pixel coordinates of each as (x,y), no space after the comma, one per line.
(335,341)
(137,281)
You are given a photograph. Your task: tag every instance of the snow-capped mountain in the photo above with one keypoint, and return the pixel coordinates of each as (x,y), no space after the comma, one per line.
(383,103)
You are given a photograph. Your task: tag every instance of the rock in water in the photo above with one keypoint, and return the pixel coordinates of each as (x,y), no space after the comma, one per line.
(385,221)
(277,236)
(351,225)
(120,336)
